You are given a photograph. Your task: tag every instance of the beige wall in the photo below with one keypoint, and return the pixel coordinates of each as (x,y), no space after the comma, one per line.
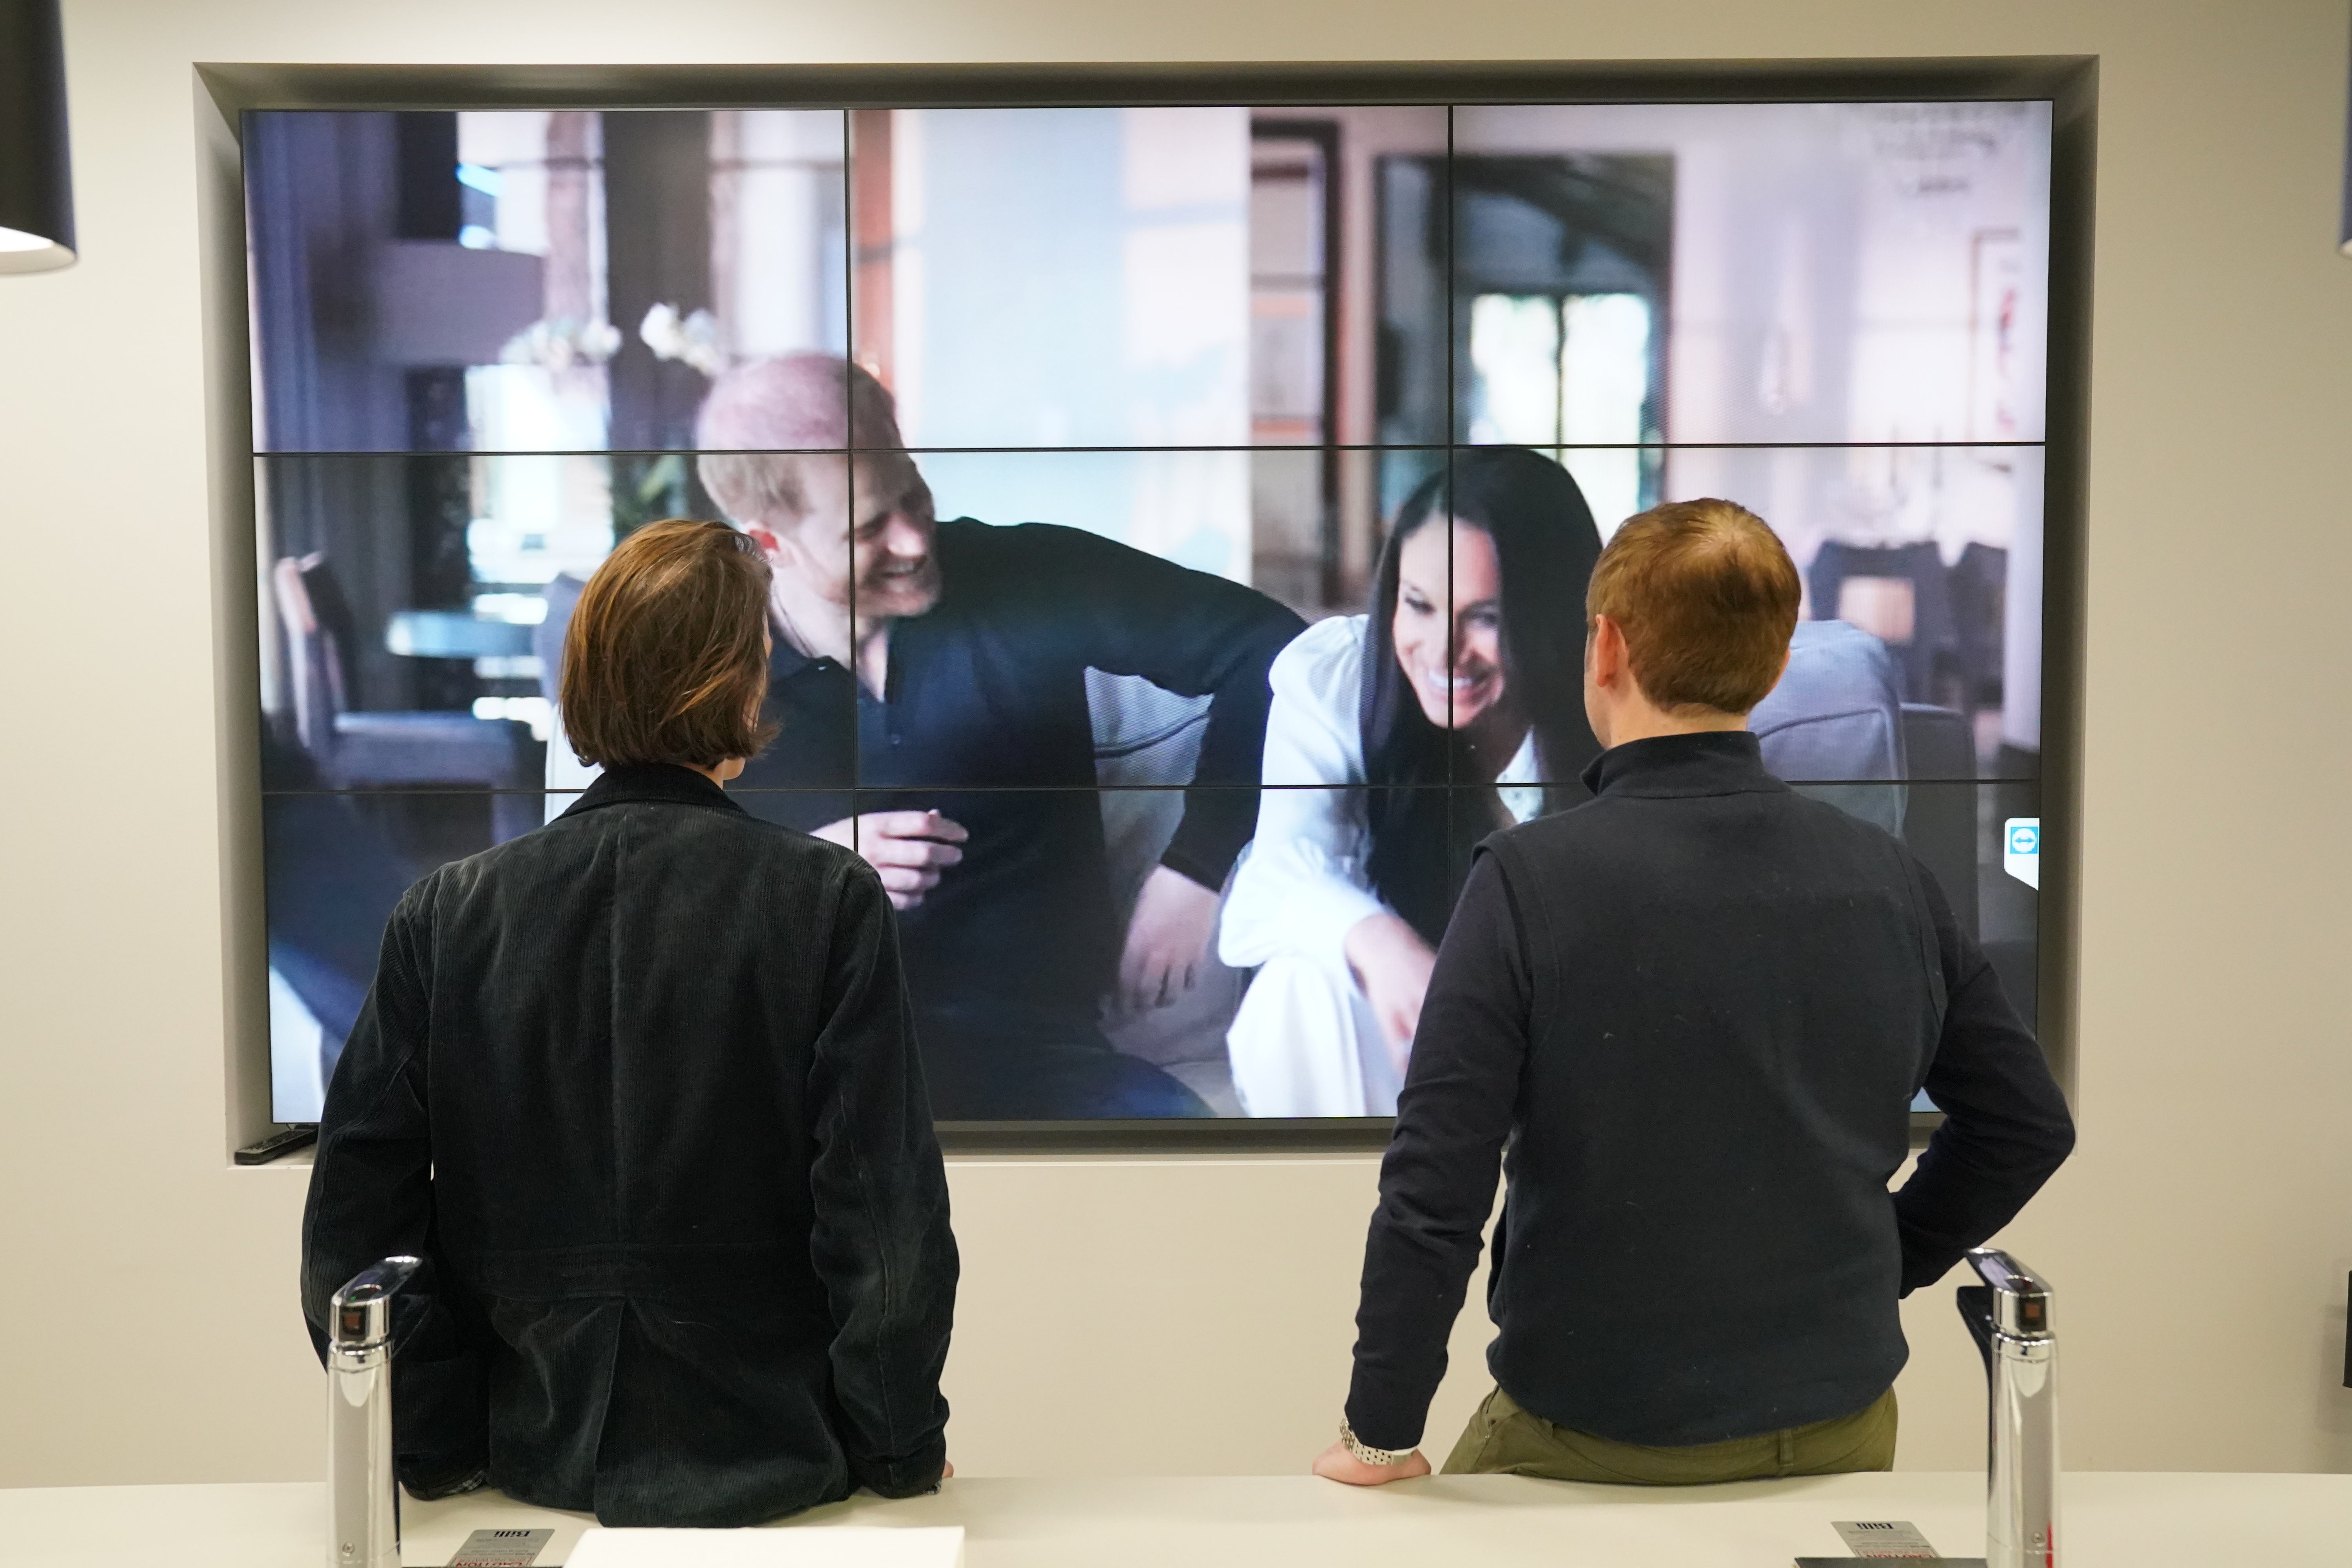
(1193,1314)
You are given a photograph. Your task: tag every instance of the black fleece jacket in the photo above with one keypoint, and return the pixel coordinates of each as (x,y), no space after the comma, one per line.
(1696,1008)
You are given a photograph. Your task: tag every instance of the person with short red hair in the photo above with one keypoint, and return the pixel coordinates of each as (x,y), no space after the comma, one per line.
(1697,1010)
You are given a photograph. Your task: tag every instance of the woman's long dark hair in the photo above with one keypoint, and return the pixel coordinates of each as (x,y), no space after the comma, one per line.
(1546,544)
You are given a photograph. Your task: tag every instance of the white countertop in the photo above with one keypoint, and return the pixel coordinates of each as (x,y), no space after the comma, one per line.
(2110,1521)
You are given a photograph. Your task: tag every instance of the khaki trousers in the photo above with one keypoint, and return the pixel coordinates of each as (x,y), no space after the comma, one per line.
(1503,1439)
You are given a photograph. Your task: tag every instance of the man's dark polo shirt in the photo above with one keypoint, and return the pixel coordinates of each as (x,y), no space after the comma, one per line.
(1697,1007)
(985,719)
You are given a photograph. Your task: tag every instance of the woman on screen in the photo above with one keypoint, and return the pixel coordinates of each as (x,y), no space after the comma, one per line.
(641,1089)
(1468,671)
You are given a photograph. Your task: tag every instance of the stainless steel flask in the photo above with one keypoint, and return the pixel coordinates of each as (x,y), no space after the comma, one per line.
(363,1496)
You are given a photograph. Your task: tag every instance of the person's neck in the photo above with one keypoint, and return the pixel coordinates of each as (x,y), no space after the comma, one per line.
(1642,720)
(820,628)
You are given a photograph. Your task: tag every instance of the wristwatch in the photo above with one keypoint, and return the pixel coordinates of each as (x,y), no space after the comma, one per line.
(1366,1454)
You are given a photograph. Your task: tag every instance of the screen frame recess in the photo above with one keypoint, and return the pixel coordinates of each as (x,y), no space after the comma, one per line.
(225,92)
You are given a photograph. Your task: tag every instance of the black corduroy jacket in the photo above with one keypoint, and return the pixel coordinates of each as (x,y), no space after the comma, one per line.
(642,1088)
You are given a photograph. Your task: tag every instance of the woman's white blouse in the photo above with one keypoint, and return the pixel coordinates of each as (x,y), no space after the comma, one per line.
(1303,884)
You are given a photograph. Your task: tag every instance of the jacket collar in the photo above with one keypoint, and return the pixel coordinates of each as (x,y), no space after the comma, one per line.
(662,782)
(1713,762)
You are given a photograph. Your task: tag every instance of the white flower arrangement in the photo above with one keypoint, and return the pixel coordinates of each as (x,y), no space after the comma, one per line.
(563,342)
(693,340)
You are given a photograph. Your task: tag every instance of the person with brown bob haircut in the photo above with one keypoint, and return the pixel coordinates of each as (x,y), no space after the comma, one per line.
(1696,1009)
(641,1089)
(667,660)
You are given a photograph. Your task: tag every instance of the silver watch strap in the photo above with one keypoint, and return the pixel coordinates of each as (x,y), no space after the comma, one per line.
(1366,1454)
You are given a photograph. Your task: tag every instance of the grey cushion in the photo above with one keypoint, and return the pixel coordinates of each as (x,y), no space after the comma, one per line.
(1836,719)
(1837,714)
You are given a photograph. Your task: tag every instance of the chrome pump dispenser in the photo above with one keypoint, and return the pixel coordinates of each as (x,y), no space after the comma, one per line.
(363,1496)
(2009,1314)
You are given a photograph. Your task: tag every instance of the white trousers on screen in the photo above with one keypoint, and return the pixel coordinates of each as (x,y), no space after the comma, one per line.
(1305,1043)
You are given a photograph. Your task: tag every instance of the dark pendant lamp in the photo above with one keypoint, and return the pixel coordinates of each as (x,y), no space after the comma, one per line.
(36,228)
(2344,243)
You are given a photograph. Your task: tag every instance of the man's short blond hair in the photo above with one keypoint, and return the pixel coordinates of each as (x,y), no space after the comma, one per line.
(764,422)
(1706,597)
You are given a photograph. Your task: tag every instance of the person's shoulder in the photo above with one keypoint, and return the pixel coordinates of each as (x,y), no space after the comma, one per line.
(772,843)
(1828,821)
(1031,563)
(1014,542)
(1582,834)
(720,825)
(414,906)
(1588,818)
(965,533)
(795,846)
(799,864)
(1022,552)
(1324,664)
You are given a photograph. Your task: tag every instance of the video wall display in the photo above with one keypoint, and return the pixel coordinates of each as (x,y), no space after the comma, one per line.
(1227,481)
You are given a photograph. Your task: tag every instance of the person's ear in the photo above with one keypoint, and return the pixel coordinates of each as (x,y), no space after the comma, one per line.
(772,545)
(1608,656)
(1596,700)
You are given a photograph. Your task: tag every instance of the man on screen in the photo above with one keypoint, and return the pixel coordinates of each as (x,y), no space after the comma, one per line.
(1696,1008)
(939,668)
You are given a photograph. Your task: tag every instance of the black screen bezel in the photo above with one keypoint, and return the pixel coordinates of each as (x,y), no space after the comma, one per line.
(2069,83)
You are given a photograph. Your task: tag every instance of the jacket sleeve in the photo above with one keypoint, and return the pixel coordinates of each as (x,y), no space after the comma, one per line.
(1198,636)
(881,1243)
(1303,884)
(1438,1178)
(2005,1129)
(372,1197)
